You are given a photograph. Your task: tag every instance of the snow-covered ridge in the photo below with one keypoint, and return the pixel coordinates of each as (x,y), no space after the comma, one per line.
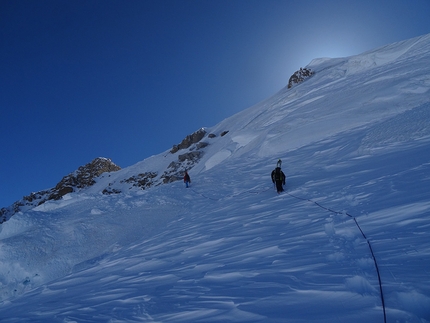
(390,53)
(290,114)
(355,143)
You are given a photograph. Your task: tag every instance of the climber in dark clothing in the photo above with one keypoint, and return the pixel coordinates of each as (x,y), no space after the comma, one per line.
(187,179)
(278,178)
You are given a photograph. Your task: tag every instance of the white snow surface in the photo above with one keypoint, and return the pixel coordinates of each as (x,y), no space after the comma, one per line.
(355,144)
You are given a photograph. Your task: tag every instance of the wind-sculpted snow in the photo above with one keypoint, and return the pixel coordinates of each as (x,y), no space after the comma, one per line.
(229,248)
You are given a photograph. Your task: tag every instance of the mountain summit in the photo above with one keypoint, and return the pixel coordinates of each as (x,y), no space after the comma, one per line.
(346,242)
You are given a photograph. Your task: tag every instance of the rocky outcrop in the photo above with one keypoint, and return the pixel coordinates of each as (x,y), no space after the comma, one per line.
(190,156)
(189,140)
(201,145)
(186,161)
(143,180)
(83,177)
(300,76)
(193,147)
(191,150)
(222,134)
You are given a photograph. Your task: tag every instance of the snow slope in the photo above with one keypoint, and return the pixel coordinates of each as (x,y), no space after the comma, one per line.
(347,241)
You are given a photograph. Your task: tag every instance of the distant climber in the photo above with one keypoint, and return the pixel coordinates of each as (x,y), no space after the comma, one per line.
(187,179)
(278,177)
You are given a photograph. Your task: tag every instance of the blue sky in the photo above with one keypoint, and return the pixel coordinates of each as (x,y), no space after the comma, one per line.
(128,79)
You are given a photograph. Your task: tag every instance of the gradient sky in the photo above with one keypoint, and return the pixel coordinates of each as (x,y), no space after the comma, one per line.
(81,79)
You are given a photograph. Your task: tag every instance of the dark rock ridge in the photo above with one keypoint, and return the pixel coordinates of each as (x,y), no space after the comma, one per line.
(189,140)
(143,180)
(191,150)
(175,171)
(300,76)
(192,146)
(83,177)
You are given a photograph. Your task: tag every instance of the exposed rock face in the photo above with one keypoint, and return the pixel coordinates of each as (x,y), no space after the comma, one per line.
(193,146)
(300,76)
(201,145)
(191,156)
(83,177)
(143,180)
(186,161)
(189,140)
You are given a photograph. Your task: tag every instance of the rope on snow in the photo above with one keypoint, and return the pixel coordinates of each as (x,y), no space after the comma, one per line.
(365,238)
(251,191)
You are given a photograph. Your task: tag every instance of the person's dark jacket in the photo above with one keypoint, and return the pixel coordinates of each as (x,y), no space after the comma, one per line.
(278,175)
